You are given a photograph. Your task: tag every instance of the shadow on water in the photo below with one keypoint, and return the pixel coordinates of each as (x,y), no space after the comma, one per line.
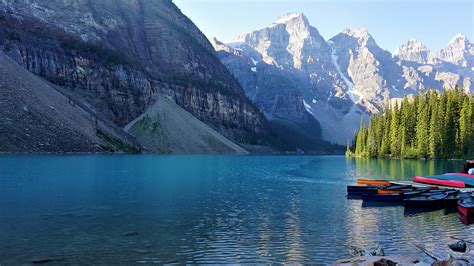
(418,211)
(380,204)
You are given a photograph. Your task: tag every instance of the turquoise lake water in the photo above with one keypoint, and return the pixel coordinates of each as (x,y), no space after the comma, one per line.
(207,209)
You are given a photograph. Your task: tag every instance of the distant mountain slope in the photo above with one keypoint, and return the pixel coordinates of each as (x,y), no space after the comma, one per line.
(37,118)
(167,128)
(340,81)
(118,56)
(278,94)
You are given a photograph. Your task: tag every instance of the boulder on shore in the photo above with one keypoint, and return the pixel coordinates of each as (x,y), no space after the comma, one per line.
(378,260)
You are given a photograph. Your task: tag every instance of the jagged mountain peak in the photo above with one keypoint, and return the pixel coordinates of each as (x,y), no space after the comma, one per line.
(413,50)
(359,33)
(362,35)
(412,44)
(459,51)
(458,38)
(291,17)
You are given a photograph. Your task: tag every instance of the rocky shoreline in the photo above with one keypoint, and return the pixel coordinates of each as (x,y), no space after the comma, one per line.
(459,253)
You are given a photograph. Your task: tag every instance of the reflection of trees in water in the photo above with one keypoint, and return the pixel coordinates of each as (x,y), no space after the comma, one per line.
(402,169)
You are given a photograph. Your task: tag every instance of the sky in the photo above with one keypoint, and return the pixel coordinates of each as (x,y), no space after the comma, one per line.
(391,22)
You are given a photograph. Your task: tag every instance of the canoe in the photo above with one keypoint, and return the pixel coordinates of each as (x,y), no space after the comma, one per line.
(373,182)
(426,201)
(393,189)
(359,189)
(466,206)
(440,182)
(397,197)
(451,200)
(362,189)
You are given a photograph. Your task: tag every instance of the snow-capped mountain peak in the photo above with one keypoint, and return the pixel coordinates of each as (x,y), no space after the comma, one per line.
(459,37)
(359,33)
(290,17)
(459,51)
(411,45)
(413,50)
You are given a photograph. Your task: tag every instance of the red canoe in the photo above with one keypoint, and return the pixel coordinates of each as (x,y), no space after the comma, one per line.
(466,206)
(439,182)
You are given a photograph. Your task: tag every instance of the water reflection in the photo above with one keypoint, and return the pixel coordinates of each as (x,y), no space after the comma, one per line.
(293,231)
(206,209)
(402,169)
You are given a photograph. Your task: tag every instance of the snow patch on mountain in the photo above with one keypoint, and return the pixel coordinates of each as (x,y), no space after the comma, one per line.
(353,94)
(307,107)
(286,18)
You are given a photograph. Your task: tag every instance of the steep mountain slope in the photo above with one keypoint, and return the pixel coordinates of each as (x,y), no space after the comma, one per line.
(344,79)
(37,118)
(278,94)
(296,47)
(167,128)
(117,56)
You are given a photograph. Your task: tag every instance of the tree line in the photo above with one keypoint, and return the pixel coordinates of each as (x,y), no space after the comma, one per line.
(437,125)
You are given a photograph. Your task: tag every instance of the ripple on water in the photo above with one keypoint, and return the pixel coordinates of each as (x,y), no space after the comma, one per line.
(241,209)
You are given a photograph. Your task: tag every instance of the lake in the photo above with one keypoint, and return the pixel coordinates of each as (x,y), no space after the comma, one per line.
(207,209)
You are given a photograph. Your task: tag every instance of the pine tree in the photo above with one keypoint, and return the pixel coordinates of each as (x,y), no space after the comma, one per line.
(385,142)
(395,141)
(471,128)
(422,128)
(450,130)
(372,147)
(361,140)
(435,128)
(464,129)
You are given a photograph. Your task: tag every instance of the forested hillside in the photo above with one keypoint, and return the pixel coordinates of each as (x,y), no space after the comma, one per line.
(432,125)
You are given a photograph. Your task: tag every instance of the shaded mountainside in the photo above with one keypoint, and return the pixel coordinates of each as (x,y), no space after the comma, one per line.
(117,56)
(38,118)
(167,128)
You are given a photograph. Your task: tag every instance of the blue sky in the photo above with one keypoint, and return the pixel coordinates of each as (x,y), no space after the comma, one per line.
(391,22)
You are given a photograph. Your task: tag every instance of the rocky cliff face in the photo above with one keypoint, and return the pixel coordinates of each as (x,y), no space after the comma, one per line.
(344,79)
(459,51)
(118,55)
(36,117)
(278,94)
(293,45)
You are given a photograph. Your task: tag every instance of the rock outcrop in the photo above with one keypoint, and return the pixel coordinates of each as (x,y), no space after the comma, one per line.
(38,118)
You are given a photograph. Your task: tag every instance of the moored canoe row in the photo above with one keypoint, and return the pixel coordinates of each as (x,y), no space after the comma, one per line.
(426,197)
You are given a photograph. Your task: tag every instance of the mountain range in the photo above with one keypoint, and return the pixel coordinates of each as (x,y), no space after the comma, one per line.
(113,62)
(139,76)
(289,65)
